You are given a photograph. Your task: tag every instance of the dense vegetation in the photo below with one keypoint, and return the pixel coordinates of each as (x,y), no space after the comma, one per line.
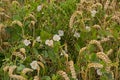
(59,39)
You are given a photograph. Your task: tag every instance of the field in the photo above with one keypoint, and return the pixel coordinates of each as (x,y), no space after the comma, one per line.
(59,39)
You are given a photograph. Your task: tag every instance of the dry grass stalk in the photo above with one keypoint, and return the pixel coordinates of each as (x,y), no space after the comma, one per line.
(63,74)
(96,43)
(26,70)
(72,69)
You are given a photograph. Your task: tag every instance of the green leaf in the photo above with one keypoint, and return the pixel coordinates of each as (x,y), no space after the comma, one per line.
(44,35)
(46,78)
(20,68)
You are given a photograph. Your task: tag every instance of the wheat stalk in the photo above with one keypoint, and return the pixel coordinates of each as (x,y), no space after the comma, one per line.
(71,22)
(22,50)
(95,65)
(96,5)
(11,69)
(18,77)
(30,16)
(19,23)
(97,26)
(6,68)
(63,74)
(36,78)
(15,3)
(20,55)
(82,50)
(72,69)
(106,4)
(104,57)
(104,40)
(109,52)
(96,43)
(26,70)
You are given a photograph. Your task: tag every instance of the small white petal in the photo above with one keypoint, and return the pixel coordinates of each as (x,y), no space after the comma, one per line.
(99,72)
(56,37)
(88,28)
(38,39)
(93,13)
(76,34)
(39,8)
(61,33)
(34,65)
(49,42)
(26,42)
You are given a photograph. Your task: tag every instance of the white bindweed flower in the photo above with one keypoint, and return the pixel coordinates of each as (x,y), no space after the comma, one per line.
(26,42)
(39,8)
(61,33)
(93,13)
(88,28)
(99,72)
(49,42)
(34,65)
(76,34)
(56,37)
(38,39)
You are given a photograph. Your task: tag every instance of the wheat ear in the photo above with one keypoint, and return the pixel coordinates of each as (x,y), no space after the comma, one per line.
(63,74)
(96,43)
(72,69)
(26,70)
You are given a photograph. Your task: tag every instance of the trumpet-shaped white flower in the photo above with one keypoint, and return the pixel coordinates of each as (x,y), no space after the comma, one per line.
(39,8)
(61,33)
(76,34)
(34,65)
(99,72)
(49,42)
(93,13)
(26,42)
(56,37)
(38,39)
(88,28)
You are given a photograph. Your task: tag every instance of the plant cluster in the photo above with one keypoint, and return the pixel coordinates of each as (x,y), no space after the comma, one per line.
(59,39)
